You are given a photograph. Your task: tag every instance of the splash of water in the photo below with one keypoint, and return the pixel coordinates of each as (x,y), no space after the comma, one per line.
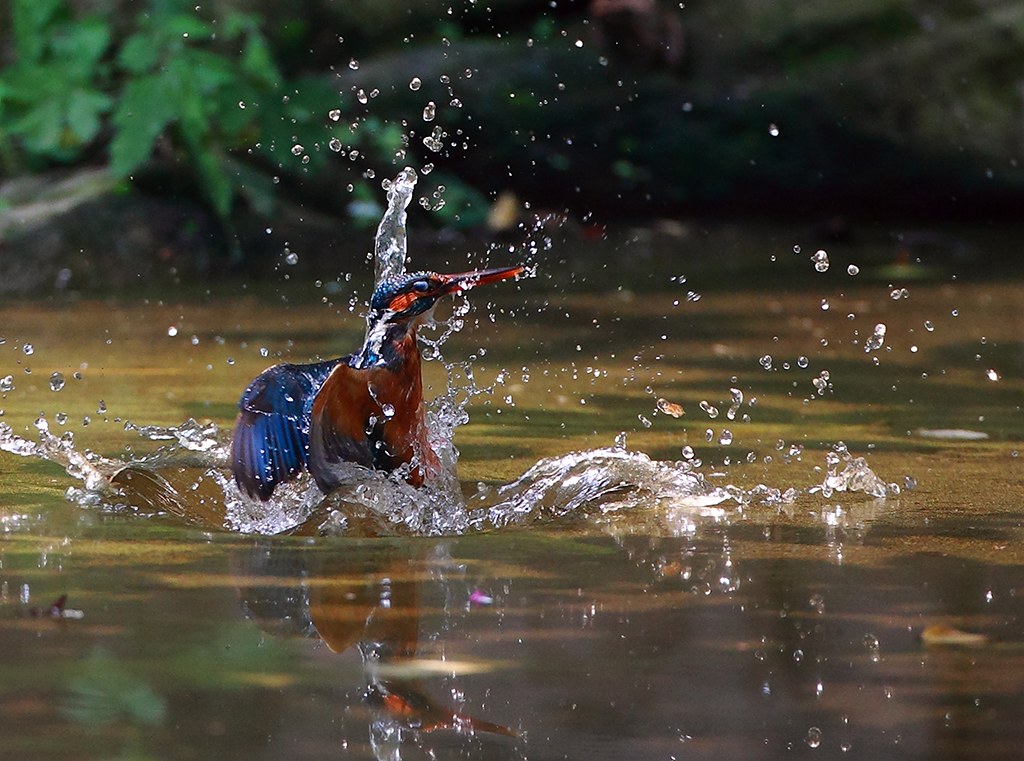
(92,470)
(390,245)
(600,482)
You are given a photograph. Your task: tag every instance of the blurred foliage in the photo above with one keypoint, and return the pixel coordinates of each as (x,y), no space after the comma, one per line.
(105,691)
(781,105)
(189,89)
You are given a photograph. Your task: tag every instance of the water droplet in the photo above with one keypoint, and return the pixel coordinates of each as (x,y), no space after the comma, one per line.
(353,64)
(725,438)
(388,410)
(334,114)
(871,643)
(361,95)
(28,349)
(710,409)
(852,270)
(297,150)
(687,452)
(813,738)
(992,374)
(766,361)
(290,257)
(61,418)
(877,338)
(101,408)
(820,259)
(56,382)
(802,362)
(7,384)
(429,111)
(818,603)
(773,130)
(335,145)
(415,84)
(929,326)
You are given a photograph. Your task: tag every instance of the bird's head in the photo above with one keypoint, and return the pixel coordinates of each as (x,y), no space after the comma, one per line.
(407,296)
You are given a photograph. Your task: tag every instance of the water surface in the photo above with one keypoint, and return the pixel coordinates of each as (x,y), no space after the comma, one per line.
(630,626)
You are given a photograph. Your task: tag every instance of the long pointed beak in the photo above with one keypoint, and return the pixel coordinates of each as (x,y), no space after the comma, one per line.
(464,281)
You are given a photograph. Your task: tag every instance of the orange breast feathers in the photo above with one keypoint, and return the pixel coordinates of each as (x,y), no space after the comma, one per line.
(374,417)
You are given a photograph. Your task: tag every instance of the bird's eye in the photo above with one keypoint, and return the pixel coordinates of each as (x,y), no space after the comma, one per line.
(421,286)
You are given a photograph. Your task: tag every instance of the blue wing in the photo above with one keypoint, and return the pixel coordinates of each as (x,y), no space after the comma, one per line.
(271,441)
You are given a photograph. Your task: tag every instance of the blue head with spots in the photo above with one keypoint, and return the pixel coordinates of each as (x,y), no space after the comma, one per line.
(403,297)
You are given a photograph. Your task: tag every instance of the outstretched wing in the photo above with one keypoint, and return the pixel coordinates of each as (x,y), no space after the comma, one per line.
(271,441)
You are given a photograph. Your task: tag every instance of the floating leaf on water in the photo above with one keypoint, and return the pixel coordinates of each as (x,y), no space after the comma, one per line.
(940,635)
(670,408)
(955,434)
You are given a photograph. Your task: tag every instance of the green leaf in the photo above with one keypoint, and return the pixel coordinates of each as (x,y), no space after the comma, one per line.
(83,113)
(188,27)
(30,20)
(215,183)
(236,23)
(208,71)
(138,53)
(258,63)
(82,44)
(145,110)
(40,127)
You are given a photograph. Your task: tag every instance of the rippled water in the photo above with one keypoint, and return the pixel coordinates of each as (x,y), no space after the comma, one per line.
(702,587)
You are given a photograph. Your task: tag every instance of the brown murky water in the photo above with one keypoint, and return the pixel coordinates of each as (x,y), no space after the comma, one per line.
(654,633)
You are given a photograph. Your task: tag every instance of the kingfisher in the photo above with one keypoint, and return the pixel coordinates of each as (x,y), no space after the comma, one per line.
(364,408)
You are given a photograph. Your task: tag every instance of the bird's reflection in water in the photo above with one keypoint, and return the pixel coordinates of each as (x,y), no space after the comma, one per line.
(370,600)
